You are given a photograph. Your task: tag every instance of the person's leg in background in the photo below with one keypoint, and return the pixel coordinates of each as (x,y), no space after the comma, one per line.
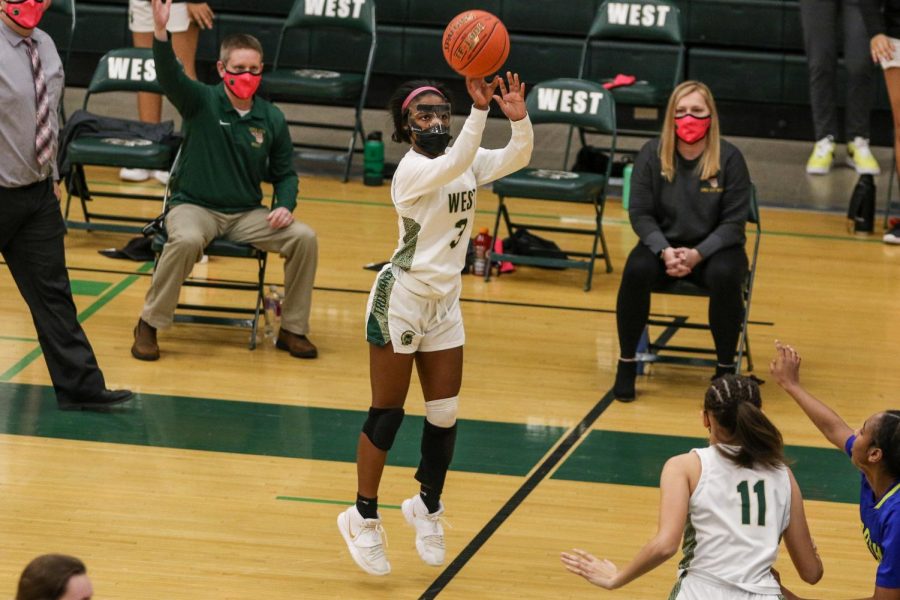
(185,32)
(892,80)
(723,274)
(861,75)
(819,31)
(642,270)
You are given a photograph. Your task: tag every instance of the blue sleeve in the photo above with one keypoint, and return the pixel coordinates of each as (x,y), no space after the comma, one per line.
(848,445)
(888,574)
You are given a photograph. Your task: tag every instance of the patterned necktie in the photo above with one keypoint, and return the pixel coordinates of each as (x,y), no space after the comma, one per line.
(44,136)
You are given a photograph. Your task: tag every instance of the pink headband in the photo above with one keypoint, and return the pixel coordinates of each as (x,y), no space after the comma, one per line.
(418,91)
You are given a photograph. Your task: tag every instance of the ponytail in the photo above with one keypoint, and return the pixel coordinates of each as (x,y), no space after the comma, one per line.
(736,404)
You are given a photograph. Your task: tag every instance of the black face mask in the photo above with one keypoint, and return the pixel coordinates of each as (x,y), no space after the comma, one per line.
(433,141)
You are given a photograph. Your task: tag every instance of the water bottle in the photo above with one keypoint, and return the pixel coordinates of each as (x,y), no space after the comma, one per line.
(626,186)
(373,159)
(482,251)
(272,312)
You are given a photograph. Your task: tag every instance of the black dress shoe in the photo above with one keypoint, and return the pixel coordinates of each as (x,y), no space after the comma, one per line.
(101,401)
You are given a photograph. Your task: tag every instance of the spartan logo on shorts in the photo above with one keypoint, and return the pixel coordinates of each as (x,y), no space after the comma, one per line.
(407,337)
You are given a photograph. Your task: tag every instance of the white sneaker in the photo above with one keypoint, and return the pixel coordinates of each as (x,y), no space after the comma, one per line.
(134,174)
(161,176)
(366,541)
(429,531)
(859,156)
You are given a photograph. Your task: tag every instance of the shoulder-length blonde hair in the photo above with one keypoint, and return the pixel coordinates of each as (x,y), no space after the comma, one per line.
(709,160)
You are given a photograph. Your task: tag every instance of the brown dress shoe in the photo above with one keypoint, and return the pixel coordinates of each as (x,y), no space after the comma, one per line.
(298,345)
(145,346)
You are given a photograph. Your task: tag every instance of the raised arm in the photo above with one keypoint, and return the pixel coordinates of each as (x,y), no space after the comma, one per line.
(185,94)
(786,369)
(798,540)
(491,165)
(674,499)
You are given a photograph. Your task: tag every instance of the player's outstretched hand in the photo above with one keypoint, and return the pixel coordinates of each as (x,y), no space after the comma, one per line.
(601,573)
(786,365)
(512,97)
(481,91)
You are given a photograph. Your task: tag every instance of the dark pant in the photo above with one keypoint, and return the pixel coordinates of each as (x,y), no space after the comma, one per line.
(820,37)
(722,274)
(31,242)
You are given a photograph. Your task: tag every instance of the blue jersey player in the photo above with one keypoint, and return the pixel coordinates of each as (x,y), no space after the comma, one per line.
(875,450)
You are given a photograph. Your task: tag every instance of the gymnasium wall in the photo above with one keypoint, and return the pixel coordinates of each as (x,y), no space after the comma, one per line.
(750,52)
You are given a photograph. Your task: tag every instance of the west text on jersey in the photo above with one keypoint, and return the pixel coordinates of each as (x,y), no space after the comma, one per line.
(461,201)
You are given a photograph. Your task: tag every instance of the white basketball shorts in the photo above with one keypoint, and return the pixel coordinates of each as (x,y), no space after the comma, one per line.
(410,322)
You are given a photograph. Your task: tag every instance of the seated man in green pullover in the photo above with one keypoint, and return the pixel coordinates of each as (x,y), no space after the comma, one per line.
(232,142)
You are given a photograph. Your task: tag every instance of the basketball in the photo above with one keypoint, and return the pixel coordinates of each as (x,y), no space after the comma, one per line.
(475,44)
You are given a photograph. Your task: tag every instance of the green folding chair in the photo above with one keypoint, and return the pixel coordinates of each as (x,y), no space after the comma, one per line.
(644,39)
(246,317)
(121,70)
(579,103)
(329,61)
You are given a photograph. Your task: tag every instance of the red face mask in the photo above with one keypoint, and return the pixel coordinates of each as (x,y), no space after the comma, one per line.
(26,14)
(243,85)
(691,129)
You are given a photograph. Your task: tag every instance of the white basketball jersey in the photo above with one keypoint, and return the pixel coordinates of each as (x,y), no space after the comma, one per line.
(735,520)
(435,202)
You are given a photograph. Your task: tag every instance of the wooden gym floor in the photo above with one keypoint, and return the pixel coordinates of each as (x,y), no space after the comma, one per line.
(223,479)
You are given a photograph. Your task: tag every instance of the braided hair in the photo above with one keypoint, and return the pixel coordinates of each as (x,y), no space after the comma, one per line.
(735,402)
(887,437)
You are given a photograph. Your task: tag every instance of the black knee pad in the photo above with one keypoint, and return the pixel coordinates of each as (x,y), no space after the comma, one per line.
(381,426)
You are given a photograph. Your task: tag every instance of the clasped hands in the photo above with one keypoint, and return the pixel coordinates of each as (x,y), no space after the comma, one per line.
(680,261)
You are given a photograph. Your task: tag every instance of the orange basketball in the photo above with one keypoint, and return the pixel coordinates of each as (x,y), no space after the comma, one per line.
(476,44)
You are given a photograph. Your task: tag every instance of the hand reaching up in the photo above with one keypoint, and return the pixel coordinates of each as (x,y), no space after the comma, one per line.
(481,91)
(512,97)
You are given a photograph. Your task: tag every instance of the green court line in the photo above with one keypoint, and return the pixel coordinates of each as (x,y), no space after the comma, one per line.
(84,287)
(324,501)
(325,434)
(823,473)
(263,429)
(82,317)
(13,338)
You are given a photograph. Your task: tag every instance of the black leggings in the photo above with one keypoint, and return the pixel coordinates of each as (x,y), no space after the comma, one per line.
(722,274)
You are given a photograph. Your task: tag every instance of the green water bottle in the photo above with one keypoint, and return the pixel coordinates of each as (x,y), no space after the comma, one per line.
(626,187)
(373,159)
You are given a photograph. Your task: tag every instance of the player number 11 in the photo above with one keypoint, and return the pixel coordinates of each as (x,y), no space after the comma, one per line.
(760,490)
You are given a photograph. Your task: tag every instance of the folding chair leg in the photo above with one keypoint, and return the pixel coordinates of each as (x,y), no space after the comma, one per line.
(501,207)
(260,297)
(890,191)
(747,351)
(357,131)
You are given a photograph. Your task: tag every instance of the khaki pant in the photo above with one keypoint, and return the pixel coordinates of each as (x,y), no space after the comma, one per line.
(191,228)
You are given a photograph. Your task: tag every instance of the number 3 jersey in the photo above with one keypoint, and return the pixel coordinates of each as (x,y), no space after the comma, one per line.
(435,202)
(735,520)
